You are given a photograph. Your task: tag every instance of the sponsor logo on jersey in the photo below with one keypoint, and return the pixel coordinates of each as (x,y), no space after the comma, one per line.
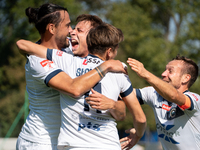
(166,107)
(89,125)
(166,134)
(85,62)
(93,60)
(81,71)
(47,64)
(195,97)
(59,53)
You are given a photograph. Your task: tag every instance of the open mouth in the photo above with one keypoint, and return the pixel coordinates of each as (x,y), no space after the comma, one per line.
(74,43)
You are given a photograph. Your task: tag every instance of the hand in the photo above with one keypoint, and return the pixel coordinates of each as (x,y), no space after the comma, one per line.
(129,141)
(138,67)
(99,101)
(113,66)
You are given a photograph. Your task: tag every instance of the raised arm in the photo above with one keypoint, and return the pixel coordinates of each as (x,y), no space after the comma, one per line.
(98,101)
(165,89)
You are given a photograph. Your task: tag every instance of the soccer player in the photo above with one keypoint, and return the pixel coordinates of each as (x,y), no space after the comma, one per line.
(176,109)
(79,47)
(44,120)
(93,129)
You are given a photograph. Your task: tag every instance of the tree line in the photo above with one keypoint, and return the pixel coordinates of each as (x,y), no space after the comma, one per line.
(155,31)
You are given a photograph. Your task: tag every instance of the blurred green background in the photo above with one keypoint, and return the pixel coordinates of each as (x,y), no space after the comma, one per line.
(155,31)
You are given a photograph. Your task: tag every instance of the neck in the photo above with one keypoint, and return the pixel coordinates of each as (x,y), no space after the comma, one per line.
(183,88)
(101,57)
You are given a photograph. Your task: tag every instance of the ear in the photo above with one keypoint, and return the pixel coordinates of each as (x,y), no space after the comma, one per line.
(186,78)
(51,28)
(108,53)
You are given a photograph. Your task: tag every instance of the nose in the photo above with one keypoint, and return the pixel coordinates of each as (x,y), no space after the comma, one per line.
(164,74)
(73,32)
(70,29)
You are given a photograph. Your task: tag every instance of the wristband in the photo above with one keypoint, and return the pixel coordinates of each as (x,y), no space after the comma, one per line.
(187,104)
(99,67)
(99,72)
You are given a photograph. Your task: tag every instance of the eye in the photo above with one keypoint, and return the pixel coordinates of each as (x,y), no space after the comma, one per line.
(79,30)
(68,25)
(170,70)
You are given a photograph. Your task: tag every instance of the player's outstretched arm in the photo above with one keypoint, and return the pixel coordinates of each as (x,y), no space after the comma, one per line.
(30,48)
(165,89)
(139,121)
(78,86)
(98,101)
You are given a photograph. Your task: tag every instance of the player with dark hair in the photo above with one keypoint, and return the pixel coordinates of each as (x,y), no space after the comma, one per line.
(42,125)
(92,128)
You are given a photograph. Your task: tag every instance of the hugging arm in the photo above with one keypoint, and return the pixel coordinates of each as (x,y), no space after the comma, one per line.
(101,102)
(30,48)
(62,81)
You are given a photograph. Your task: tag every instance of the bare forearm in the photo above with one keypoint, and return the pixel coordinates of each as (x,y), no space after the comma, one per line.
(78,86)
(119,110)
(85,82)
(139,122)
(140,128)
(165,89)
(30,48)
(139,118)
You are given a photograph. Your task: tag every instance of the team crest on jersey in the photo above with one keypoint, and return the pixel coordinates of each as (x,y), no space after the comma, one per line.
(59,53)
(47,64)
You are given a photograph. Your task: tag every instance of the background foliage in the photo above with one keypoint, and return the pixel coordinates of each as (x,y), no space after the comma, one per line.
(155,31)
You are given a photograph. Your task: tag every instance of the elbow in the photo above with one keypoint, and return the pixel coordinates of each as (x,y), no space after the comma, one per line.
(142,120)
(120,117)
(76,93)
(19,44)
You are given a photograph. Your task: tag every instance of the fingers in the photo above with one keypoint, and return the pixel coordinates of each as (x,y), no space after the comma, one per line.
(93,91)
(125,142)
(123,139)
(92,101)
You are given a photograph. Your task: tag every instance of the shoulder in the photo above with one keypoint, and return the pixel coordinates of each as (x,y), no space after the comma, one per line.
(192,95)
(149,89)
(147,92)
(39,65)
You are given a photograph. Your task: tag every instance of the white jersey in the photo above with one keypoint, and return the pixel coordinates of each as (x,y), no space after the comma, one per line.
(83,126)
(43,122)
(177,129)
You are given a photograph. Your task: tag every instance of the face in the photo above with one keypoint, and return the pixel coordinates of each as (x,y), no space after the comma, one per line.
(62,30)
(78,38)
(173,74)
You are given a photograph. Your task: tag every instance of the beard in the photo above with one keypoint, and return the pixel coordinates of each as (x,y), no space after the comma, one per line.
(62,42)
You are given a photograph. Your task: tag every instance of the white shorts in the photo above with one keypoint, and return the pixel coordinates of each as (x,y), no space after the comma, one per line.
(23,144)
